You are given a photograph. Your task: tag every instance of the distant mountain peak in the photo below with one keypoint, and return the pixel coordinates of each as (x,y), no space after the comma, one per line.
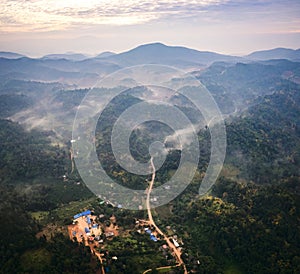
(276,53)
(68,56)
(178,56)
(154,44)
(105,54)
(10,55)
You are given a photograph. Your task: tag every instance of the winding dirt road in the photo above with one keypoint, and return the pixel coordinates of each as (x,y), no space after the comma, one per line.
(172,247)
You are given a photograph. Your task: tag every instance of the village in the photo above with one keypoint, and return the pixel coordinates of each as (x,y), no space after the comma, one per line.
(92,231)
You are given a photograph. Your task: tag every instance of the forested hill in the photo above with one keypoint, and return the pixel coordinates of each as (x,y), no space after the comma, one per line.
(264,142)
(28,154)
(22,252)
(235,87)
(249,223)
(31,170)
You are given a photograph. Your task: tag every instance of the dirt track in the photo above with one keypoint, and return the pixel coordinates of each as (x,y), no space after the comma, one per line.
(172,247)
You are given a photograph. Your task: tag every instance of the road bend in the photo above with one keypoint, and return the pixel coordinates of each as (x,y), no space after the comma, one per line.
(172,247)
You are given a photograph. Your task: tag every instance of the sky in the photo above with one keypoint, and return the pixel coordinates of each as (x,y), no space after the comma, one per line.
(39,27)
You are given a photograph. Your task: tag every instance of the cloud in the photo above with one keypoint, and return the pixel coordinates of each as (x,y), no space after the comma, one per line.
(37,27)
(55,14)
(186,137)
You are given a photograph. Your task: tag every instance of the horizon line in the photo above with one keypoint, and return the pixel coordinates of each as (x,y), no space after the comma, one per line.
(93,55)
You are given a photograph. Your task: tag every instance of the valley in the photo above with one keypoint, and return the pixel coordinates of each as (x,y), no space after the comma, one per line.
(247,223)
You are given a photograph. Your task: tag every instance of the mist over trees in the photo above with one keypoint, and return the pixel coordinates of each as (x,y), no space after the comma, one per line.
(247,223)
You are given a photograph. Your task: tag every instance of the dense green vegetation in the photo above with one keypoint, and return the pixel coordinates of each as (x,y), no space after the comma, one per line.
(11,104)
(22,252)
(265,144)
(253,227)
(29,161)
(136,253)
(28,154)
(236,86)
(249,223)
(31,171)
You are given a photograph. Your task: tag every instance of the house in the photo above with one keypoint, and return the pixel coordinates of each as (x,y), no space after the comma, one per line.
(109,234)
(87,231)
(85,213)
(88,220)
(153,238)
(175,242)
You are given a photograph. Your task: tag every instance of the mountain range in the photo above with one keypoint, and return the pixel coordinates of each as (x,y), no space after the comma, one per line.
(248,223)
(84,71)
(234,82)
(158,52)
